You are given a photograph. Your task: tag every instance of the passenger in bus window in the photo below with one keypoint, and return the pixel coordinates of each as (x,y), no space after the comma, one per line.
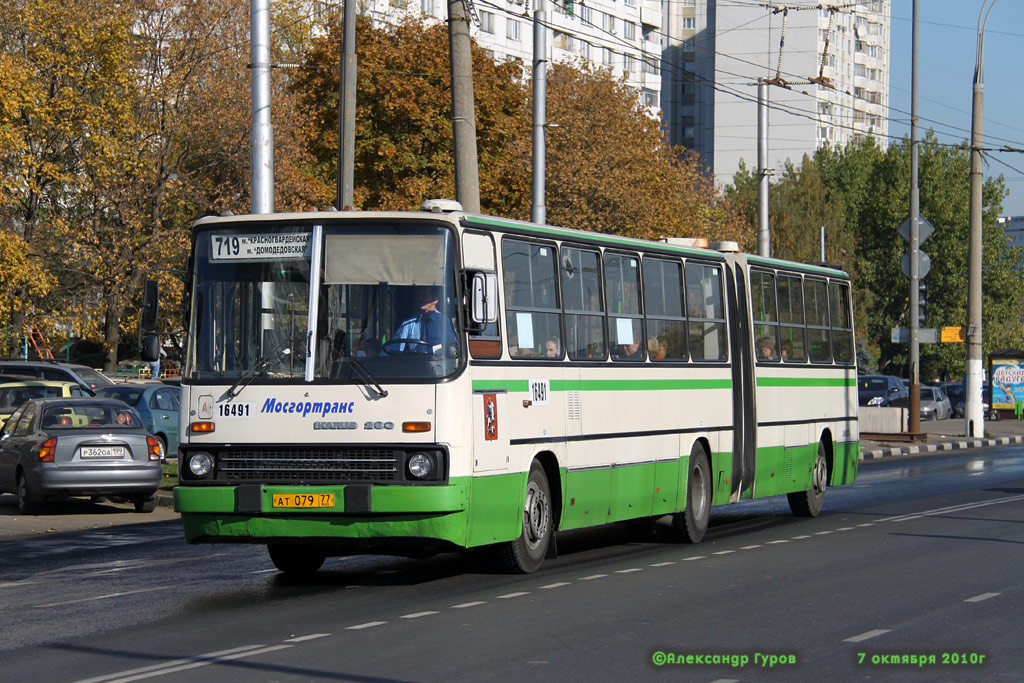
(766,349)
(552,349)
(787,350)
(429,325)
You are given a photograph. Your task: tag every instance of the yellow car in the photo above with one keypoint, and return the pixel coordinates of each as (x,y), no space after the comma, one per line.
(13,394)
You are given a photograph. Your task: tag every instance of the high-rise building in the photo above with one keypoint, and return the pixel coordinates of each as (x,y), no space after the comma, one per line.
(827,65)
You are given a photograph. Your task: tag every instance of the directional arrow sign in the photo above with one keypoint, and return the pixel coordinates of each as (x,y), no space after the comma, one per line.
(924,264)
(924,230)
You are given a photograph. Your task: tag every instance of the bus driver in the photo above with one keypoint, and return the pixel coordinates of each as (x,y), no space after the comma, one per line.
(429,325)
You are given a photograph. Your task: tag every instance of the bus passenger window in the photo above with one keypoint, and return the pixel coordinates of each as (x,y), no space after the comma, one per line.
(818,332)
(584,312)
(762,310)
(791,317)
(532,313)
(663,304)
(706,312)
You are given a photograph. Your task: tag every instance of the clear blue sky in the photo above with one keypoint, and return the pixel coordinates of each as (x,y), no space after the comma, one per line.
(946,51)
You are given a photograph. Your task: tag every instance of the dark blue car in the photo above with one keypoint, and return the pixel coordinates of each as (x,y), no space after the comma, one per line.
(157,405)
(880,390)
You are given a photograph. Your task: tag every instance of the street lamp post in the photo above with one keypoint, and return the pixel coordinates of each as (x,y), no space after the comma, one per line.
(974,415)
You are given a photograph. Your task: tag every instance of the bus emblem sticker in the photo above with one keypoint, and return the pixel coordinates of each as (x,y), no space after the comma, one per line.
(540,392)
(490,417)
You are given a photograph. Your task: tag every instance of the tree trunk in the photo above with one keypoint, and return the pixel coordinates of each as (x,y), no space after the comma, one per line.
(112,332)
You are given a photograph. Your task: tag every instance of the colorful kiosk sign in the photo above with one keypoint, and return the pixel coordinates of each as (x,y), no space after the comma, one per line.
(1006,368)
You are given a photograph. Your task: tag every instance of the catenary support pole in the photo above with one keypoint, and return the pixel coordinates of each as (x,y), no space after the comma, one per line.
(467,174)
(763,234)
(538,208)
(261,133)
(914,419)
(347,109)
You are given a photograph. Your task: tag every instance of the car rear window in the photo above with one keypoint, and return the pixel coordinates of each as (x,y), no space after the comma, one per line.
(77,416)
(92,378)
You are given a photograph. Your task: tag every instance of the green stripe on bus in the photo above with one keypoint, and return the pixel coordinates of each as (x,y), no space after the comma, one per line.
(806,381)
(522,385)
(570,234)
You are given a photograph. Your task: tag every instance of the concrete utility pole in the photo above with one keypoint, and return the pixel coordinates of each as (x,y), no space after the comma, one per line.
(347,110)
(974,412)
(261,133)
(467,174)
(914,426)
(763,234)
(538,209)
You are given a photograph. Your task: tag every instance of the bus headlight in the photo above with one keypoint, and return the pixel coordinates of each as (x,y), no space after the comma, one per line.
(420,465)
(200,464)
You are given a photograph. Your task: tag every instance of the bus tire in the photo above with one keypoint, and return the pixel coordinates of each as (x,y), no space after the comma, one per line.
(690,525)
(809,503)
(295,560)
(525,554)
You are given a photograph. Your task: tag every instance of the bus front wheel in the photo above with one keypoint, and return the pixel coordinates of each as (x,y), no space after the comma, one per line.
(295,560)
(691,524)
(809,503)
(525,554)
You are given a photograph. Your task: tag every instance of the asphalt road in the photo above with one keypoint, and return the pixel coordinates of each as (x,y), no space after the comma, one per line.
(922,556)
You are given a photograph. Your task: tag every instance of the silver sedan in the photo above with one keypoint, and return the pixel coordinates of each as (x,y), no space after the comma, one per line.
(58,447)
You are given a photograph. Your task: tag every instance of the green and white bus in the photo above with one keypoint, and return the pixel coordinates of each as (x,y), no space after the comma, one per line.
(570,379)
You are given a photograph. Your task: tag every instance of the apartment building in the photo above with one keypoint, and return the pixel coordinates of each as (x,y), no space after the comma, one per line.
(828,65)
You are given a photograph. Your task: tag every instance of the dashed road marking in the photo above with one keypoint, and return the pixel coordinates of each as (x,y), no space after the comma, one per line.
(513,595)
(184,664)
(369,624)
(555,585)
(799,538)
(469,604)
(983,596)
(867,635)
(781,540)
(105,597)
(417,615)
(628,571)
(751,547)
(723,552)
(696,557)
(821,533)
(311,636)
(663,564)
(593,576)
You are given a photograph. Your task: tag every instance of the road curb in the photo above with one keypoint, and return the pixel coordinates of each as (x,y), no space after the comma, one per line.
(935,447)
(165,499)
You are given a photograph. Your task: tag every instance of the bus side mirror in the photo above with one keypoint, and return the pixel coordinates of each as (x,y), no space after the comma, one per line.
(485,298)
(150,351)
(150,305)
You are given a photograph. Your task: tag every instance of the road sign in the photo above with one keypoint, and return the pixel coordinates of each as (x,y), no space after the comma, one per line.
(954,334)
(924,264)
(925,335)
(924,229)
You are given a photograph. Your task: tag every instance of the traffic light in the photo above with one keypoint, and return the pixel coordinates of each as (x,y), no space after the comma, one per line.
(922,304)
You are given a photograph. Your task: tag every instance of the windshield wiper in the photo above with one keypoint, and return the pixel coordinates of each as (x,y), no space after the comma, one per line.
(261,365)
(365,374)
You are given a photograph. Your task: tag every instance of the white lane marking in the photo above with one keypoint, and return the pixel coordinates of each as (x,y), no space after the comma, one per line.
(781,540)
(417,615)
(311,636)
(867,635)
(726,680)
(469,604)
(750,547)
(821,533)
(628,571)
(105,597)
(867,524)
(798,538)
(369,624)
(175,662)
(845,528)
(696,557)
(12,584)
(264,571)
(593,576)
(513,595)
(663,564)
(196,665)
(723,552)
(555,585)
(983,596)
(951,508)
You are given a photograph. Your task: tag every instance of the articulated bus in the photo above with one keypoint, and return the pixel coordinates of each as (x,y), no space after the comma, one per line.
(416,382)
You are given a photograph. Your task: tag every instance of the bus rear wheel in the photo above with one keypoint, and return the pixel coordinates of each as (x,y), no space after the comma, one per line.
(809,503)
(691,524)
(295,560)
(525,554)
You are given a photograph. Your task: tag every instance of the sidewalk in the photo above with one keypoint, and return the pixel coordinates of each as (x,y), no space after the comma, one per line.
(947,435)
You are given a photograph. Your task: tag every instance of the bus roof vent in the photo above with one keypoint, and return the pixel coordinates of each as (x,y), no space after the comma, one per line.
(728,246)
(440,206)
(697,242)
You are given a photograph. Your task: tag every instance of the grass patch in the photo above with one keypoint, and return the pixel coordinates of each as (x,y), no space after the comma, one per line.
(170,478)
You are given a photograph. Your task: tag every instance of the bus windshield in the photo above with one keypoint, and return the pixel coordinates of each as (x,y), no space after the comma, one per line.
(385,303)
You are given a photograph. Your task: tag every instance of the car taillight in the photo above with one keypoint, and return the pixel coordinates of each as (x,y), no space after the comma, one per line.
(154,447)
(47,450)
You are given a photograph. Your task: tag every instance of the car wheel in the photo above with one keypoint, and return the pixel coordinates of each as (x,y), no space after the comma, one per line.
(145,503)
(26,504)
